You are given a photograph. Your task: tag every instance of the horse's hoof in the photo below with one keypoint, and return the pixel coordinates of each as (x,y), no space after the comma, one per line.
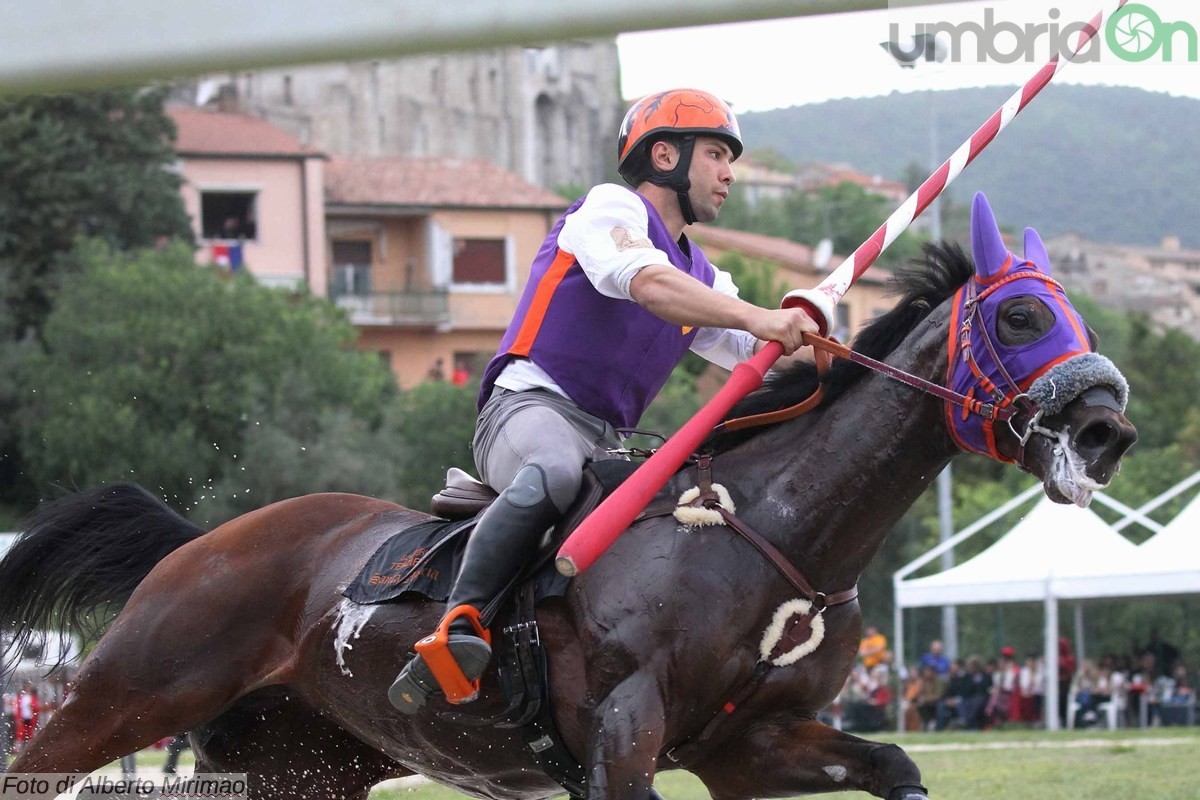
(416,684)
(908,793)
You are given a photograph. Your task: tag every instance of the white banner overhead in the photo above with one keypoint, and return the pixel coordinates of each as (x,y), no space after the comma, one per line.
(96,43)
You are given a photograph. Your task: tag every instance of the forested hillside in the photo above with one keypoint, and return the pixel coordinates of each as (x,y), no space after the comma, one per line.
(1114,164)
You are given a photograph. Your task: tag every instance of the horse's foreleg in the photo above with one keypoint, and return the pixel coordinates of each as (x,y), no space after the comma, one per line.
(625,745)
(785,758)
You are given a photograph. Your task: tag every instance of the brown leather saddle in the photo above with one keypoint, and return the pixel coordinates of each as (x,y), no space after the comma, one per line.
(462,497)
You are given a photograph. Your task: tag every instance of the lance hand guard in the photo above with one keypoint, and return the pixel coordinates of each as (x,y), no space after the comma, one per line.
(819,306)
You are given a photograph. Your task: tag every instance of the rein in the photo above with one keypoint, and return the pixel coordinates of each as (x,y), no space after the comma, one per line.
(829,349)
(994,404)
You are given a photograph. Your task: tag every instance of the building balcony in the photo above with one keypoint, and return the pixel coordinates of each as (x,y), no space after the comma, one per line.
(427,308)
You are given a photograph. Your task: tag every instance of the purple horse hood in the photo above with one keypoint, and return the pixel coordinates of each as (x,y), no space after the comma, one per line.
(983,367)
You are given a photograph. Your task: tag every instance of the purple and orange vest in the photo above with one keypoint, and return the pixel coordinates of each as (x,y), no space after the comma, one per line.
(610,356)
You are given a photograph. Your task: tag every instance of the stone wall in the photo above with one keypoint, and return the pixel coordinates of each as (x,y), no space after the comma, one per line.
(549,114)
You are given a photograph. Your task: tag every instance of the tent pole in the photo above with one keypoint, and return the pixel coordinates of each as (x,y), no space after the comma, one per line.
(1079,637)
(899,663)
(1050,706)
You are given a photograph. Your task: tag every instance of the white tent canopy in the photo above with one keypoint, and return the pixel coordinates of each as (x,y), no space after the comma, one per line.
(1050,542)
(1168,563)
(1061,552)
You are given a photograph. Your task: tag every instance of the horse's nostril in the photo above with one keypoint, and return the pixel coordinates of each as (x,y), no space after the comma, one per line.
(1097,437)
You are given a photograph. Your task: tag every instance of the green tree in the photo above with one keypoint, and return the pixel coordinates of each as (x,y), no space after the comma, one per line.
(846,214)
(95,164)
(338,453)
(757,280)
(156,370)
(771,159)
(431,427)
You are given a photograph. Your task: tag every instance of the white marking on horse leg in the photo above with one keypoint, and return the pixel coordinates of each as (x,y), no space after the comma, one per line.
(351,617)
(835,772)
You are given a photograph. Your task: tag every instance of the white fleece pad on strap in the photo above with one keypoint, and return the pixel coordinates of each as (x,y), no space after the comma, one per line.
(697,515)
(774,632)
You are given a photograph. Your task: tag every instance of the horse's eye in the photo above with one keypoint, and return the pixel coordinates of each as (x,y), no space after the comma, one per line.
(1022,320)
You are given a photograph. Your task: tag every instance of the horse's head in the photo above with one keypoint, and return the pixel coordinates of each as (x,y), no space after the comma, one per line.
(1019,345)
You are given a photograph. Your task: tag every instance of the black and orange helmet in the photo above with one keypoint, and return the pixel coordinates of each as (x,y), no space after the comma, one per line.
(678,111)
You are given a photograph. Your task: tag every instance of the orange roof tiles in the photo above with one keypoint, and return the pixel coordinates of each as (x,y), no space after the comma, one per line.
(754,245)
(784,252)
(432,182)
(215,133)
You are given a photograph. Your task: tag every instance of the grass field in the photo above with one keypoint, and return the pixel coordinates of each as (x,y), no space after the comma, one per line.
(1150,764)
(1153,764)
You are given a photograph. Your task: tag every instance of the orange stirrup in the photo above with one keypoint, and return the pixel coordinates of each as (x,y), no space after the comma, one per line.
(435,650)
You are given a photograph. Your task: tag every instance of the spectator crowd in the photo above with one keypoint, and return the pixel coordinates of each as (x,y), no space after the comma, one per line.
(1148,686)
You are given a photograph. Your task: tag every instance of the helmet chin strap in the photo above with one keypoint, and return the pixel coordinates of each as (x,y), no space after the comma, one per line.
(685,205)
(677,178)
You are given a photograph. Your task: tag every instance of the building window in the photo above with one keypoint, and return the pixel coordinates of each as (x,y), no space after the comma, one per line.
(228,215)
(351,268)
(479,261)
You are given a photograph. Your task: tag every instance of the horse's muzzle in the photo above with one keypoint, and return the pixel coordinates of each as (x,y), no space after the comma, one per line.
(1101,435)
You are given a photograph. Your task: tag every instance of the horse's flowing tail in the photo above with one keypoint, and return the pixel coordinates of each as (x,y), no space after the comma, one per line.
(84,553)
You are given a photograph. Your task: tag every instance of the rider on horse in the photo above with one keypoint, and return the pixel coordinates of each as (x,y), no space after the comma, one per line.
(616,296)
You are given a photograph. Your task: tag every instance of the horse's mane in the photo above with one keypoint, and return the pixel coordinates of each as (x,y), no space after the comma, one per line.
(922,286)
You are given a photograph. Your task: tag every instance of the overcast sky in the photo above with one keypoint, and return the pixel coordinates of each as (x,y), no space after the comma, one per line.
(778,63)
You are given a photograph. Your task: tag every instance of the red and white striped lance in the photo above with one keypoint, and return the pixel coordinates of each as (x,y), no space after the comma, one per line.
(602,527)
(838,282)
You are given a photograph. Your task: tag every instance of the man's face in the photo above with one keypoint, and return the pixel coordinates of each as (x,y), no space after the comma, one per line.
(711,175)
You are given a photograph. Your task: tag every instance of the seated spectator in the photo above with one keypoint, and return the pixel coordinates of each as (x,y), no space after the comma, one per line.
(936,658)
(979,687)
(1110,682)
(871,695)
(912,686)
(930,686)
(949,707)
(859,713)
(1002,702)
(1084,690)
(1031,689)
(1141,690)
(872,648)
(1165,654)
(1177,697)
(880,687)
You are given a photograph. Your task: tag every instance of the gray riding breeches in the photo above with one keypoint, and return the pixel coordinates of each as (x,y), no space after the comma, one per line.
(538,427)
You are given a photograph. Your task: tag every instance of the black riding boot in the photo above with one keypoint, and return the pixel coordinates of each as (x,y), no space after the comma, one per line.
(503,541)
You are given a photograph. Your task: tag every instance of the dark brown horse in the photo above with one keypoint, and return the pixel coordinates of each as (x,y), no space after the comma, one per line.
(242,636)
